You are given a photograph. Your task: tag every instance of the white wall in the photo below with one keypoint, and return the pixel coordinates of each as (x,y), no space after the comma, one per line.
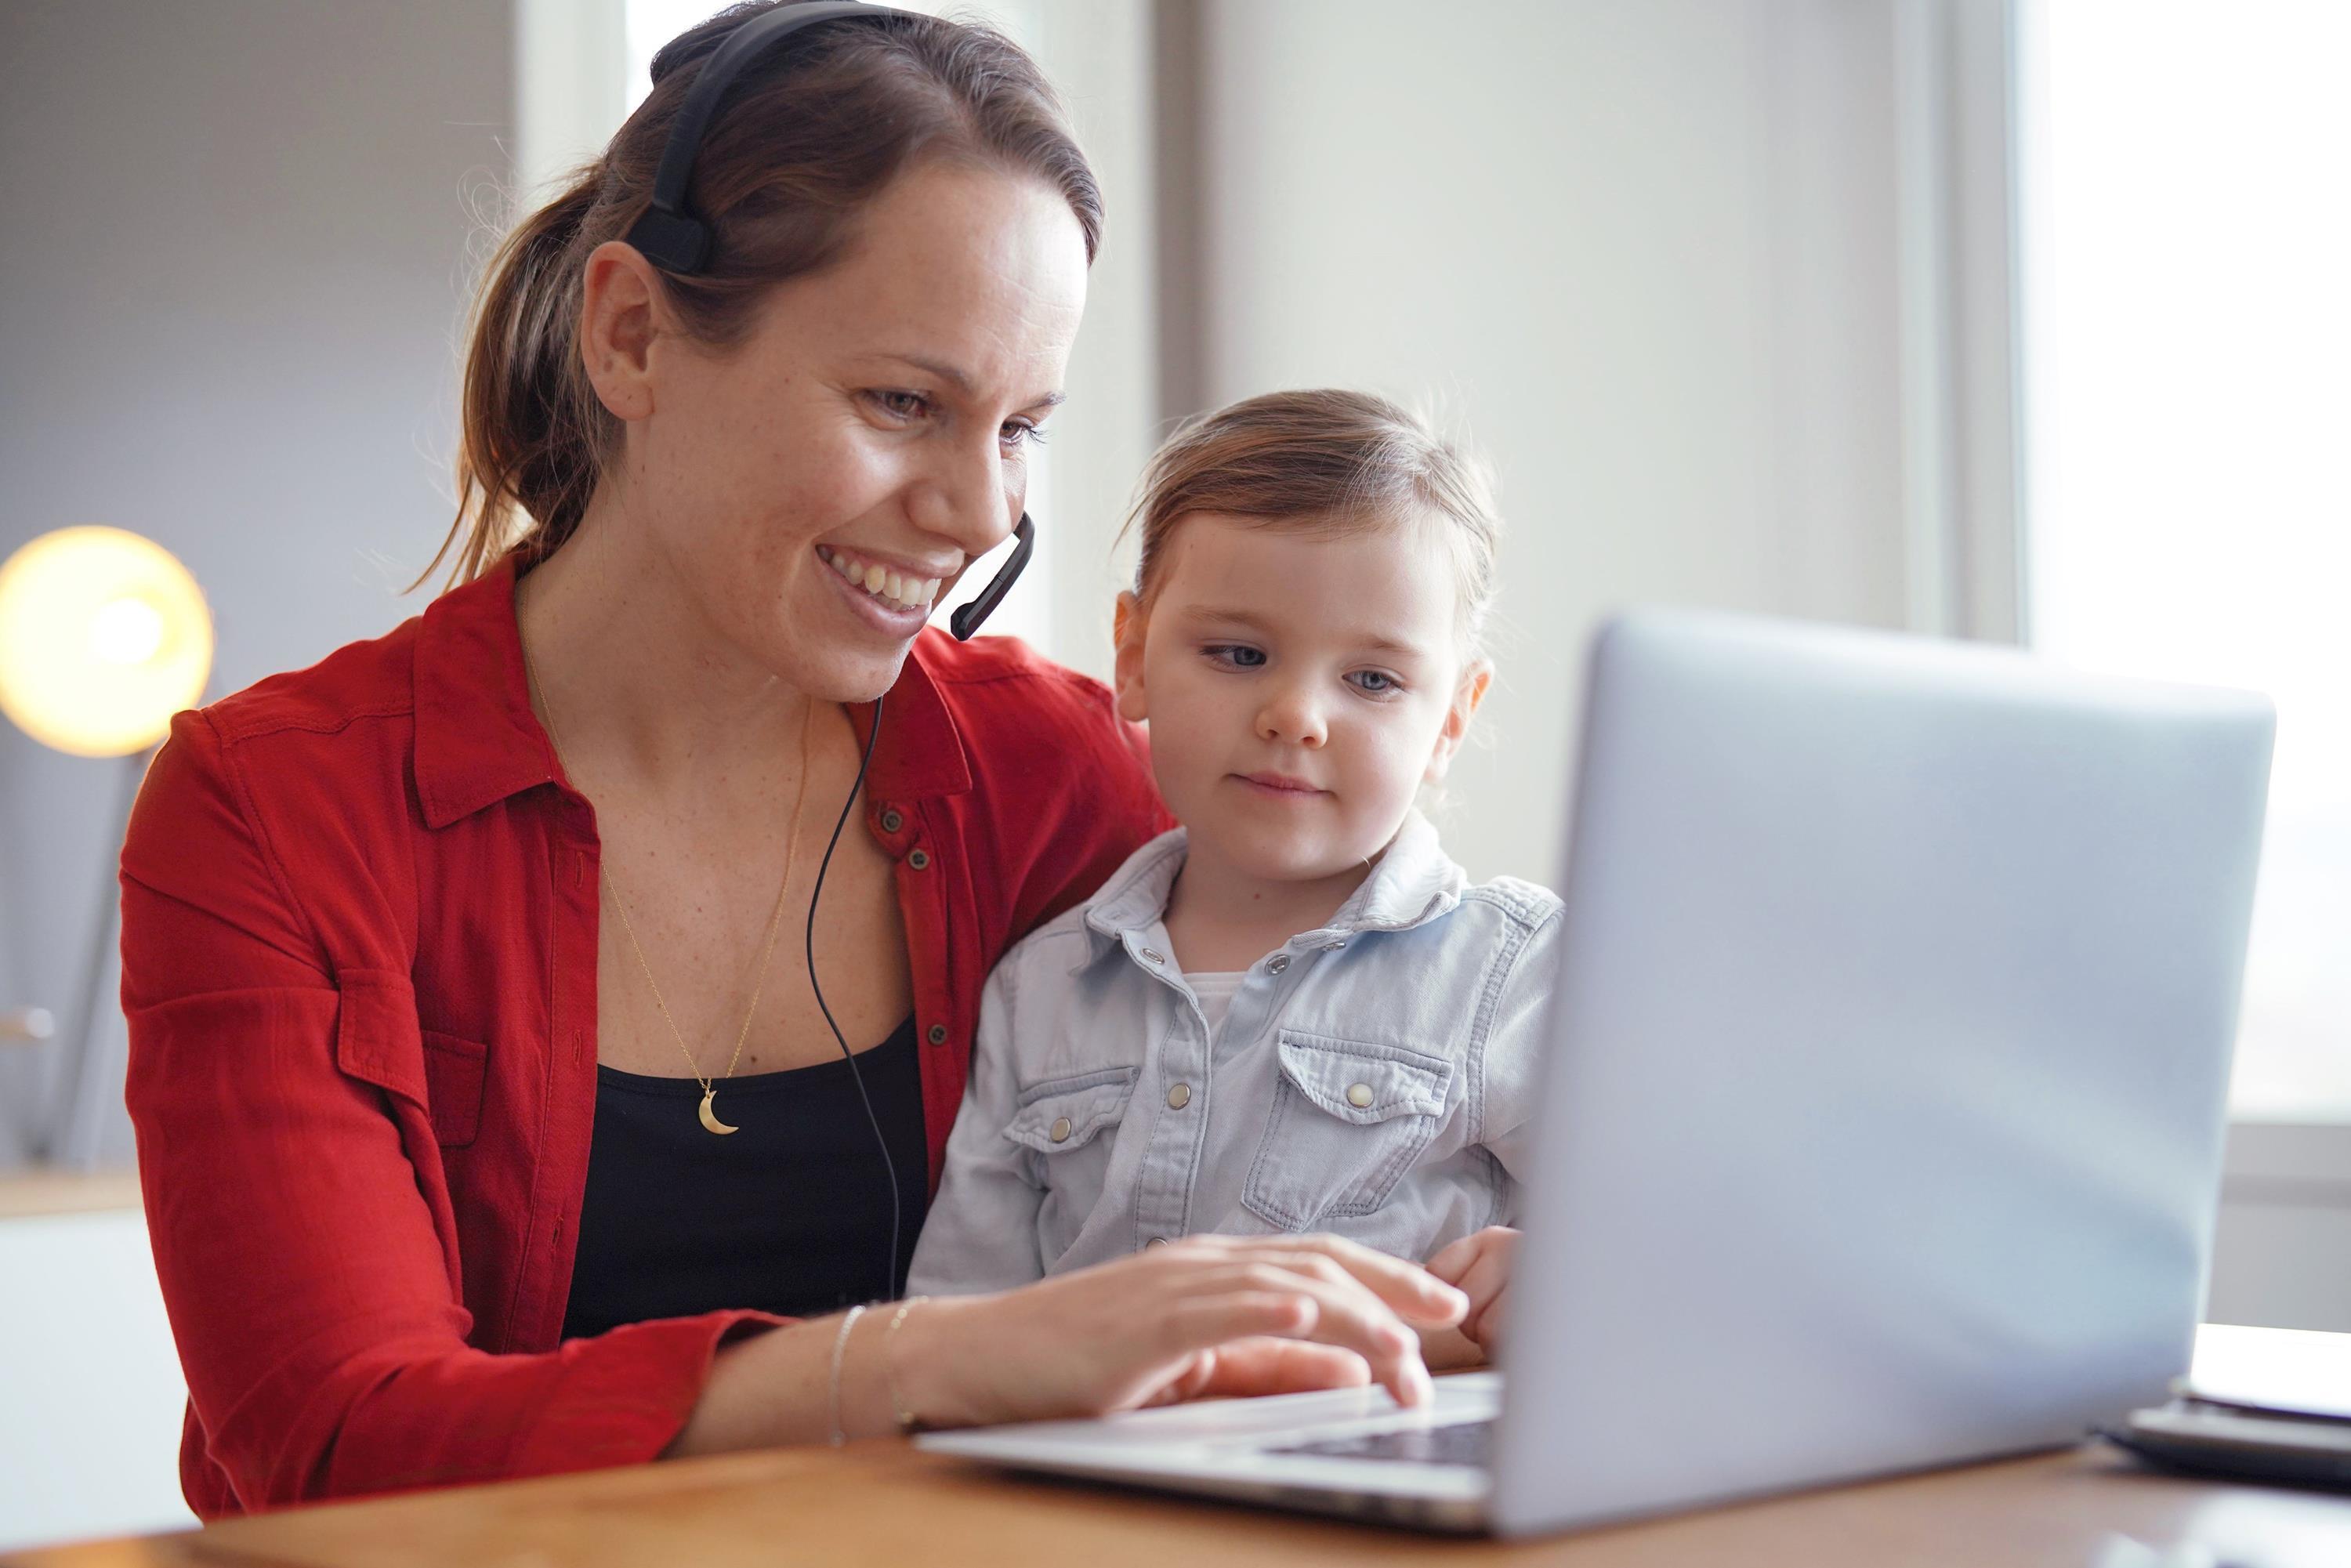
(1645,250)
(236,258)
(91,1392)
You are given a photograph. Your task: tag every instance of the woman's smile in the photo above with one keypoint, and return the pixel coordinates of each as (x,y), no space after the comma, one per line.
(895,602)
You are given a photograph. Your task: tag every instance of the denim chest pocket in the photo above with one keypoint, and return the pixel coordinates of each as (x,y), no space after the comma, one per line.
(1349,1118)
(1066,1115)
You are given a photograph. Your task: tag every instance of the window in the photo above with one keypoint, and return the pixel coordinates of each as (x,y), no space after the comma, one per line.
(2186,347)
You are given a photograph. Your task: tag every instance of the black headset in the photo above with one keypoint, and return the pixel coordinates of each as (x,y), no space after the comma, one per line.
(672,237)
(668,234)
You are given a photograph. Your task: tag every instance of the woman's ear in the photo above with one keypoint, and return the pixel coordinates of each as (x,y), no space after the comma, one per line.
(1130,624)
(1466,696)
(620,316)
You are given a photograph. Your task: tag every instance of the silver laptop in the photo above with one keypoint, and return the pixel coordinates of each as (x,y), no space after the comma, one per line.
(1883,1127)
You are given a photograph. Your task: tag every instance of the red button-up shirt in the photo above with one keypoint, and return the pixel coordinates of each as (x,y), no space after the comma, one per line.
(359,958)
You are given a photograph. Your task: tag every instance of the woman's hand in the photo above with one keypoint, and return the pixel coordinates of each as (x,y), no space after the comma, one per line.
(1480,1263)
(1206,1315)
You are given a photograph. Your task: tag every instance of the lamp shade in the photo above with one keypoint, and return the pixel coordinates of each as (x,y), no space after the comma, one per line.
(104,637)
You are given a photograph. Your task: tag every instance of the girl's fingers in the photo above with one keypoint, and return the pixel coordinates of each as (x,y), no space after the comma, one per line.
(1453,1260)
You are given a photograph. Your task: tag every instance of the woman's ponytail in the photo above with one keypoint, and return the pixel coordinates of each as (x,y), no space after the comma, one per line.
(526,456)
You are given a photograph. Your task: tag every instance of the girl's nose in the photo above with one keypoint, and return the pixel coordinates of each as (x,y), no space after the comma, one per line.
(1292,716)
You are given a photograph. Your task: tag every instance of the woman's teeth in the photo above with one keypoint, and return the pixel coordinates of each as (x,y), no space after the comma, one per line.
(908,592)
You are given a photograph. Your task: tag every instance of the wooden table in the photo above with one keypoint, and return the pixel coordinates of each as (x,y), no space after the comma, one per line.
(883,1503)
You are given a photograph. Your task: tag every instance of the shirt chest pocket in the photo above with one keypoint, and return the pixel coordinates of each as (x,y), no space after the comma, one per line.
(1068,1117)
(378,1041)
(1349,1118)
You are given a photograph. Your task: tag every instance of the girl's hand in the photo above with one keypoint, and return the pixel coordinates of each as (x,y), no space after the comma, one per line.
(1479,1264)
(1206,1315)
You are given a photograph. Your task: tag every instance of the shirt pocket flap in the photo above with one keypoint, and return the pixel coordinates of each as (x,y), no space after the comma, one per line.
(1363,1083)
(1055,1117)
(377,1039)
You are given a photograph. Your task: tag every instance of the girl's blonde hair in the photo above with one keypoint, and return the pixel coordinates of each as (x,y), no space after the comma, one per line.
(1324,459)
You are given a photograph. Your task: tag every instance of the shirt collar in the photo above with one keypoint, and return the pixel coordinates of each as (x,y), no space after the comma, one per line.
(1414,881)
(478,741)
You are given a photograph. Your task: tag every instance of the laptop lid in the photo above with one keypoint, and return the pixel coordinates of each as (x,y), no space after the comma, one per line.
(1892,1044)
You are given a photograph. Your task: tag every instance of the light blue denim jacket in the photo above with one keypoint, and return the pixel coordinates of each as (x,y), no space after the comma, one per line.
(1373,1078)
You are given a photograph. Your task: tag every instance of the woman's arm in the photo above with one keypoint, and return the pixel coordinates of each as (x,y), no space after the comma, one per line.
(307,1259)
(1205,1314)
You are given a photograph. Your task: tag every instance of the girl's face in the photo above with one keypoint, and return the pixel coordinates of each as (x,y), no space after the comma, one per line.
(1300,687)
(805,495)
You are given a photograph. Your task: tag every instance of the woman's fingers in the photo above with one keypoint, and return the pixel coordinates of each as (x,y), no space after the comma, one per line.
(1340,1313)
(1249,1367)
(1407,1290)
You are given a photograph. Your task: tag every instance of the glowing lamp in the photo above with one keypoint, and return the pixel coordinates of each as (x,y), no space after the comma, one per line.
(104,637)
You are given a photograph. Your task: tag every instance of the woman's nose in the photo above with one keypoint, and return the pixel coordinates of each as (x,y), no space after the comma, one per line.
(967,501)
(1292,716)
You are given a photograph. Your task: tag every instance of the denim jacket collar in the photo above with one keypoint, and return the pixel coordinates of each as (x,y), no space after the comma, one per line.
(1413,882)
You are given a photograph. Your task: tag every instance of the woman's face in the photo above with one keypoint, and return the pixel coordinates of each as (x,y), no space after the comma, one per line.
(805,495)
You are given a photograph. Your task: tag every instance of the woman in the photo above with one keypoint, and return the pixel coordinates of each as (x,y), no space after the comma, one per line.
(417,941)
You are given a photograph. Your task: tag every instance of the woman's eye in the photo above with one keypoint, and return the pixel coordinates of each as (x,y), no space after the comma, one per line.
(1020,432)
(901,405)
(1234,655)
(1376,683)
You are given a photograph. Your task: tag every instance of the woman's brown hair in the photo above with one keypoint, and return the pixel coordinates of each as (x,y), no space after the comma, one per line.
(1325,459)
(800,147)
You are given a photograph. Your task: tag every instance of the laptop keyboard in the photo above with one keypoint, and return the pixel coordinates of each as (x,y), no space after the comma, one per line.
(1464,1442)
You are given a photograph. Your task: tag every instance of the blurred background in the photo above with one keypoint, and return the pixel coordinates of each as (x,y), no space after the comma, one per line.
(2022,320)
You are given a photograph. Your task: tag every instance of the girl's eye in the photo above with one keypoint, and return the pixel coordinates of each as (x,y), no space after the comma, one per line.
(1376,683)
(1234,655)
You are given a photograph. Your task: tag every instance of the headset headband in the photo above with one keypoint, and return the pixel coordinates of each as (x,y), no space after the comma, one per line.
(667,232)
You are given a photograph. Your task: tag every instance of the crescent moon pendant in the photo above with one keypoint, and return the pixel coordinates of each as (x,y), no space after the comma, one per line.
(710,1121)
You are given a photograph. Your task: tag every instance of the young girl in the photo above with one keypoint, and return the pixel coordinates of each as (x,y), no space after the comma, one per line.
(1293,1012)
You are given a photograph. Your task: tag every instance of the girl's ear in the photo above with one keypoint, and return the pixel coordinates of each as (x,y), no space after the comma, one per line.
(1466,698)
(1130,623)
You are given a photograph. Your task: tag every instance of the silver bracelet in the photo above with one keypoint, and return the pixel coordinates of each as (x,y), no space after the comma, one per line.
(839,1348)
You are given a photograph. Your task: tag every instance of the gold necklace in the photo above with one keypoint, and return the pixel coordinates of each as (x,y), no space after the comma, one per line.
(708,1113)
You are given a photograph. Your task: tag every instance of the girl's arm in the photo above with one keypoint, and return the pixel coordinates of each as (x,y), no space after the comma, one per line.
(981,1231)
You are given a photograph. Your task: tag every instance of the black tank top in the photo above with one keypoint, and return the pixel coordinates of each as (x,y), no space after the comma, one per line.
(790,1214)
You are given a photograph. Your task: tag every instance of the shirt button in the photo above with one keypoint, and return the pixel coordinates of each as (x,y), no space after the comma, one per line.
(1061,1132)
(1151,957)
(938,1035)
(1277,964)
(1334,947)
(1179,1096)
(1156,1241)
(920,860)
(892,821)
(1359,1095)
